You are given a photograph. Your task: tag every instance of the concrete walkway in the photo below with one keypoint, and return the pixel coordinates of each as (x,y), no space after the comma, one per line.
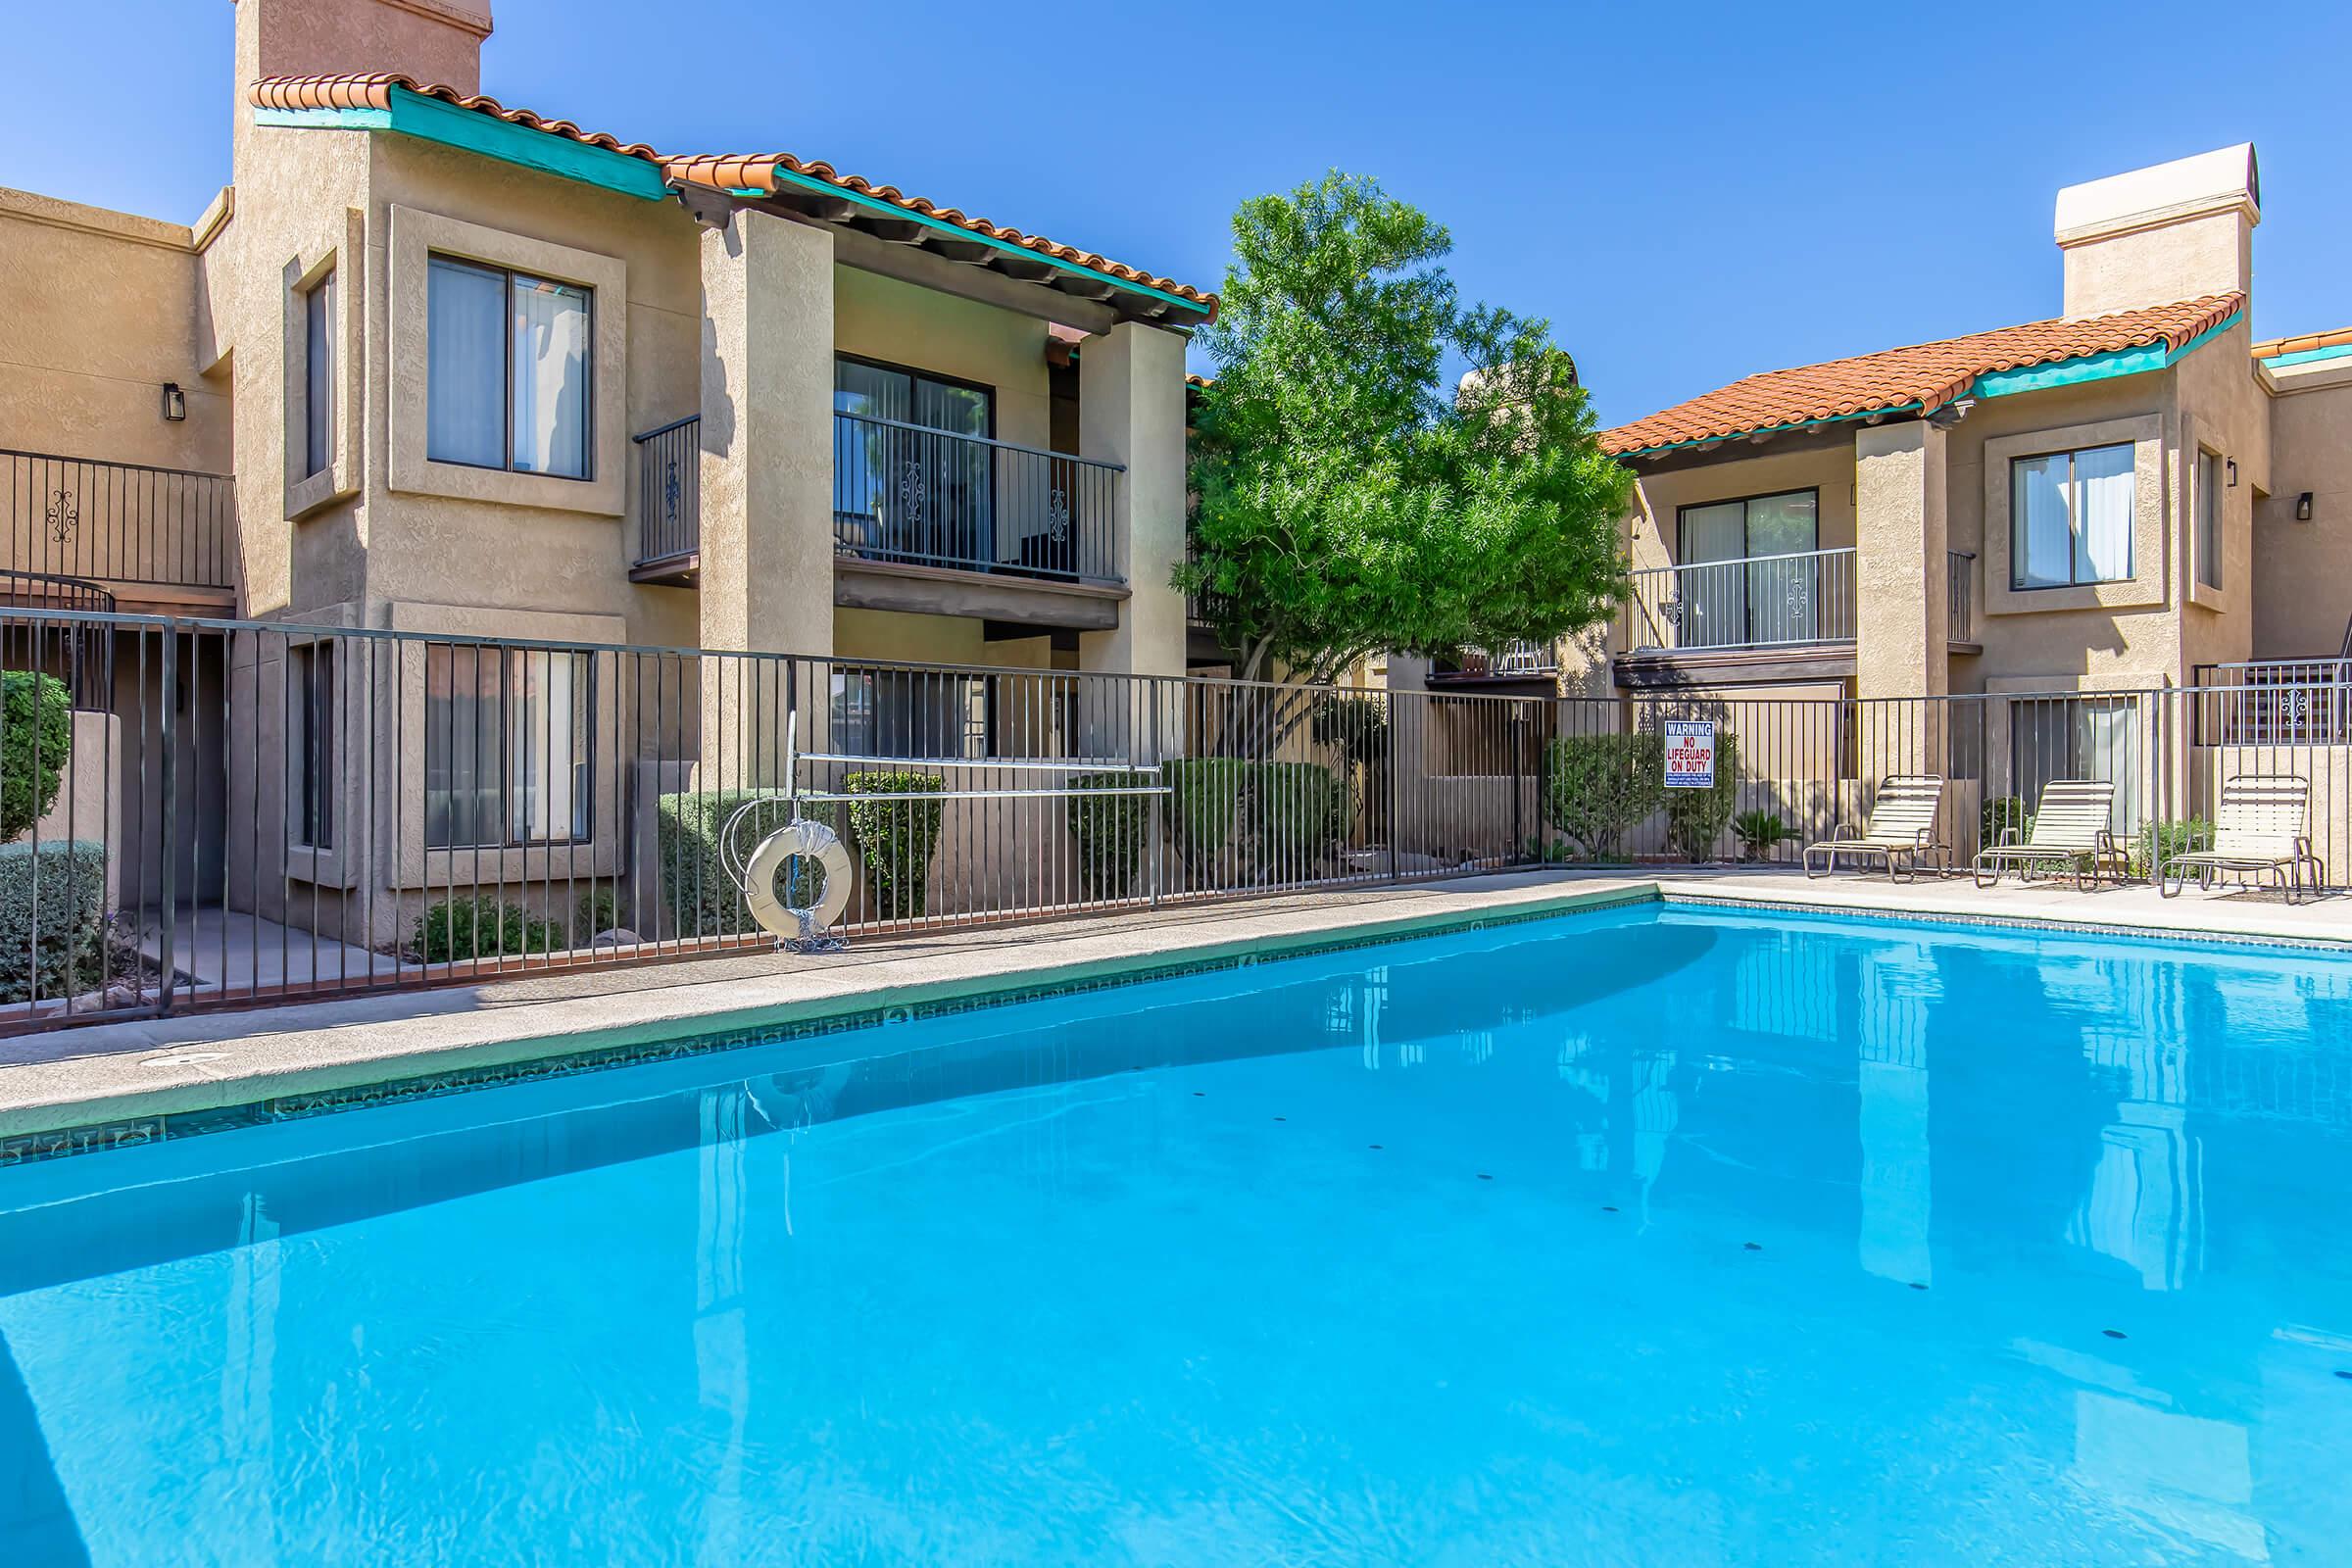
(174,1066)
(222,949)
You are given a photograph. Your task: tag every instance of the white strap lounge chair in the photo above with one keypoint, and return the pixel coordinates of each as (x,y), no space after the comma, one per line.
(1900,831)
(2071,831)
(2262,829)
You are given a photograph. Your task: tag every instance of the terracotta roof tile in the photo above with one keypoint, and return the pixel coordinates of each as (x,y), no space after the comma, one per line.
(2304,344)
(719,172)
(1924,376)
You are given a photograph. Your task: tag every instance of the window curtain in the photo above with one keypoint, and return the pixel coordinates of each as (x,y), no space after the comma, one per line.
(1713,594)
(464,768)
(551,379)
(466,396)
(960,476)
(547,720)
(2103,490)
(1783,597)
(2042,535)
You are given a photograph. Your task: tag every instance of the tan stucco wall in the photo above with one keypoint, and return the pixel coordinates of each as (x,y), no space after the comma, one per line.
(2302,572)
(1658,497)
(99,309)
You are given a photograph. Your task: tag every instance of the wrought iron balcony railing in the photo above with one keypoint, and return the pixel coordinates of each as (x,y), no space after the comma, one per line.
(1754,602)
(116,523)
(907,493)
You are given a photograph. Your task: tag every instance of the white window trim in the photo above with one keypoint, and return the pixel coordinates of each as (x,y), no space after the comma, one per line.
(417,236)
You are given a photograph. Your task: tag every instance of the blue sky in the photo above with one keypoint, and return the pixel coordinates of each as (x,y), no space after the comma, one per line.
(1689,193)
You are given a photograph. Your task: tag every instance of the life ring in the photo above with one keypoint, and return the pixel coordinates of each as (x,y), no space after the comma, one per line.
(802,840)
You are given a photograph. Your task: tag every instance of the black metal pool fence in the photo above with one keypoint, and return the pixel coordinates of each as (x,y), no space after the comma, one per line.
(222,813)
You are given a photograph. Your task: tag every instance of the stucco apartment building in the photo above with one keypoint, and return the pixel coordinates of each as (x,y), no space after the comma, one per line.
(444,346)
(2132,495)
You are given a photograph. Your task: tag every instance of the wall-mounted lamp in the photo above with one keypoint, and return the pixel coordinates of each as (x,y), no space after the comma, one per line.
(2303,507)
(2229,466)
(175,403)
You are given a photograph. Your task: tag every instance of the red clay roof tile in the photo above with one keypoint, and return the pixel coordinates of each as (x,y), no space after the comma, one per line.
(2273,347)
(718,171)
(1925,375)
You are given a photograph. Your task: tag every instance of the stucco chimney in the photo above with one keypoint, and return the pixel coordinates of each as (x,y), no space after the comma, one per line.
(2172,231)
(430,40)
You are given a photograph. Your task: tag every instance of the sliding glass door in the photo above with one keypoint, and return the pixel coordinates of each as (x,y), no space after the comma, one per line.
(1732,599)
(912,475)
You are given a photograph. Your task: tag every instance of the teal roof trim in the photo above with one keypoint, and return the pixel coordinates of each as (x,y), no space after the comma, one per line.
(430,120)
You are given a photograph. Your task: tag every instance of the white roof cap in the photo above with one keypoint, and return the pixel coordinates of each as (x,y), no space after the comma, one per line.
(2139,198)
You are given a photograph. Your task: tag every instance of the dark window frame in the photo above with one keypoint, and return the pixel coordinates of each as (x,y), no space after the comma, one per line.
(1747,608)
(579,827)
(506,376)
(311,679)
(318,375)
(2074,535)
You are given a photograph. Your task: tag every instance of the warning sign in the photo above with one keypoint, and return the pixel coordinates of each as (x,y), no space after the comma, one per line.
(1689,753)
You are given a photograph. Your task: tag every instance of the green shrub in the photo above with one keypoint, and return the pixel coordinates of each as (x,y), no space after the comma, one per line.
(37,738)
(480,926)
(1596,788)
(2003,812)
(896,838)
(1109,833)
(1759,831)
(2158,842)
(52,919)
(1303,811)
(1205,798)
(598,909)
(696,893)
(1355,726)
(1696,818)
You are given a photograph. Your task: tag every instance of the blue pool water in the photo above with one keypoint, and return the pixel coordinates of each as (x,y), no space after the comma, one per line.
(1650,1236)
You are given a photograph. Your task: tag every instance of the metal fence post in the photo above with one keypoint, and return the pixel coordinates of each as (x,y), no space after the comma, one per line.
(168,729)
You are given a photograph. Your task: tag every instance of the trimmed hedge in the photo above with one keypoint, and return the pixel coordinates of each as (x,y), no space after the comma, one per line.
(696,894)
(480,926)
(1303,811)
(37,740)
(896,838)
(1205,802)
(52,917)
(1109,833)
(1696,818)
(1597,788)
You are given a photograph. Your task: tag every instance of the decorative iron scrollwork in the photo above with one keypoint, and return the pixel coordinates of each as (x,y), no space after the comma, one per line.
(670,491)
(1057,515)
(65,515)
(911,492)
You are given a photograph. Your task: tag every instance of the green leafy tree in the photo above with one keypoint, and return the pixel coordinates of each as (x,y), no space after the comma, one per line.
(1348,502)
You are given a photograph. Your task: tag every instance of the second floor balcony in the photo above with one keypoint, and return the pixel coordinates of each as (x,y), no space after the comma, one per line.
(138,535)
(909,495)
(1796,602)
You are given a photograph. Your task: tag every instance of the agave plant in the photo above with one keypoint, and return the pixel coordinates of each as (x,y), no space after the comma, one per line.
(1759,831)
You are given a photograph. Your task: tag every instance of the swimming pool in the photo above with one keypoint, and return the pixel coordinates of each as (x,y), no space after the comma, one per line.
(1656,1235)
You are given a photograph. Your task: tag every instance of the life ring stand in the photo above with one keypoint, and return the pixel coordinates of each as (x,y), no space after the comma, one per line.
(798,840)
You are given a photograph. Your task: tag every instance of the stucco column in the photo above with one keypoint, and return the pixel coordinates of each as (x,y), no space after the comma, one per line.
(766,546)
(1131,411)
(1902,614)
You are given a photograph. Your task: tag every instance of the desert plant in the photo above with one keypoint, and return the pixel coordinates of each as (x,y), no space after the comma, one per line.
(478,926)
(36,739)
(1696,818)
(896,838)
(1110,831)
(2158,842)
(1303,811)
(1204,800)
(1759,832)
(1598,787)
(52,913)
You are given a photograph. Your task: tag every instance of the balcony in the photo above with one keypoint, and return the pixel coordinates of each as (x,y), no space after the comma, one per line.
(1513,661)
(73,526)
(1761,617)
(917,510)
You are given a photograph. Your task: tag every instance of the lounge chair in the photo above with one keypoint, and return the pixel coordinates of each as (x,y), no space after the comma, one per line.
(1900,831)
(2262,827)
(2071,830)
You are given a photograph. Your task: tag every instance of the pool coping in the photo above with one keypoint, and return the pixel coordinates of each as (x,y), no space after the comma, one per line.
(334,1056)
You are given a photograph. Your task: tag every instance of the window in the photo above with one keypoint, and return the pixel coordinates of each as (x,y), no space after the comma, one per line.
(904,485)
(2209,519)
(508,372)
(902,712)
(2075,737)
(311,742)
(1732,599)
(318,376)
(509,746)
(2070,517)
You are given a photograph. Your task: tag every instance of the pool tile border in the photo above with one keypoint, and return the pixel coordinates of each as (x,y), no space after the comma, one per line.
(2051,924)
(133,1131)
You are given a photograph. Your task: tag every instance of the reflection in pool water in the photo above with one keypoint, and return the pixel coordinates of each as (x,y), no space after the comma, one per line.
(1640,1236)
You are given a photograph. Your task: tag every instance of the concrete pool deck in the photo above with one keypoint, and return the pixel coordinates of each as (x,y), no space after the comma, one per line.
(114,1075)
